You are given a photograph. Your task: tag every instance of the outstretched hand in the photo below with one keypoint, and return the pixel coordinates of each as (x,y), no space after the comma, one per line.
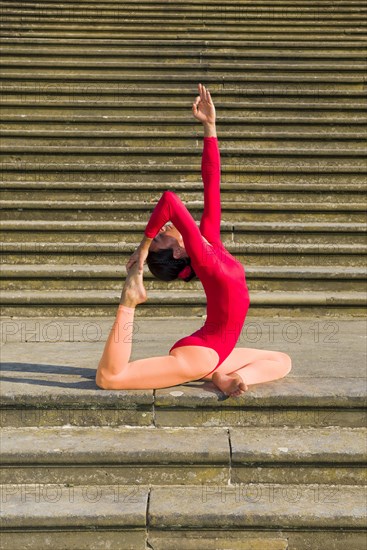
(139,257)
(203,107)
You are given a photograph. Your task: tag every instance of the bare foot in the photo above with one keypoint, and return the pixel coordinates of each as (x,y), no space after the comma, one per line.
(134,292)
(230,384)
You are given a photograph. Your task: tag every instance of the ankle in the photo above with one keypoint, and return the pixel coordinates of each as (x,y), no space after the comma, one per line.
(127,302)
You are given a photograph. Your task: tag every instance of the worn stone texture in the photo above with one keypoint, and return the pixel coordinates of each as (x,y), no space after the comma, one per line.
(293,445)
(40,506)
(79,539)
(258,505)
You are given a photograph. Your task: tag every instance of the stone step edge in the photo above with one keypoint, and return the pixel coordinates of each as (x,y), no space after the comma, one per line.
(26,87)
(163,446)
(236,248)
(229,206)
(278,150)
(289,394)
(253,52)
(121,226)
(237,66)
(88,297)
(161,507)
(196,42)
(21,102)
(183,78)
(181,186)
(128,248)
(95,271)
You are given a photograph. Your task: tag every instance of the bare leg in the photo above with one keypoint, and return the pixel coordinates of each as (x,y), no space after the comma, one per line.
(247,366)
(115,371)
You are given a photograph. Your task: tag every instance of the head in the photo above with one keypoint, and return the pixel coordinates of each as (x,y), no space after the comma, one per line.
(167,257)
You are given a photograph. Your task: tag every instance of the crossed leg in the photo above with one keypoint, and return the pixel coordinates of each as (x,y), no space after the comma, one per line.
(254,366)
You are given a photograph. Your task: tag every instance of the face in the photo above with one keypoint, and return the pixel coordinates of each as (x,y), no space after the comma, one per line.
(169,237)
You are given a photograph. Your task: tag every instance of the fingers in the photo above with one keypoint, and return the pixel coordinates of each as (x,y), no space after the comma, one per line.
(204,93)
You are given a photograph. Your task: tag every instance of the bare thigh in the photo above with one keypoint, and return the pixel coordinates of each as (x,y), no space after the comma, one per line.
(242,357)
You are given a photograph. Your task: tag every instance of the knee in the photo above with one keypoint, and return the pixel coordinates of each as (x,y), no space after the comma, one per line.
(103,380)
(285,361)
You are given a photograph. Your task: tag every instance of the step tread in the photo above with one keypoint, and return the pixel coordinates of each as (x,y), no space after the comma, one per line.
(76,506)
(193,204)
(162,446)
(257,505)
(184,297)
(177,506)
(101,225)
(46,270)
(282,149)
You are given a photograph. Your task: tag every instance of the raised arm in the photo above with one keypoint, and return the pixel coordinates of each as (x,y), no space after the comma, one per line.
(204,111)
(171,208)
(210,171)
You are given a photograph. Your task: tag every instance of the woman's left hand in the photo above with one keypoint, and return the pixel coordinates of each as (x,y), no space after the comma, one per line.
(138,256)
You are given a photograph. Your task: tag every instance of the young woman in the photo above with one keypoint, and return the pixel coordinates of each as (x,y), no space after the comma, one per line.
(183,250)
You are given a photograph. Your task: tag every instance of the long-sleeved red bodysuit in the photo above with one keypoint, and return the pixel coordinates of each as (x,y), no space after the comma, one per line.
(222,276)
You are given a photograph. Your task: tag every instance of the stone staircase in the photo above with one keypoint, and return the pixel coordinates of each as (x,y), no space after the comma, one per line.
(281,468)
(96,124)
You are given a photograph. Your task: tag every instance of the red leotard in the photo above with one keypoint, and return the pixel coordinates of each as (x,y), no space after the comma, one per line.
(222,276)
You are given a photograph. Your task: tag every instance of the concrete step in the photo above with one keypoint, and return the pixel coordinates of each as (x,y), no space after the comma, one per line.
(241,232)
(19,97)
(45,382)
(173,148)
(183,302)
(72,12)
(244,43)
(235,66)
(216,51)
(165,456)
(190,74)
(231,211)
(118,253)
(181,178)
(19,277)
(230,194)
(249,517)
(200,33)
(180,151)
(109,129)
(228,186)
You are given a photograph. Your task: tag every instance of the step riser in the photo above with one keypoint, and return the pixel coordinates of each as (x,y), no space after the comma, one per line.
(155,180)
(333,310)
(152,196)
(331,239)
(192,474)
(120,258)
(178,417)
(83,539)
(264,285)
(83,213)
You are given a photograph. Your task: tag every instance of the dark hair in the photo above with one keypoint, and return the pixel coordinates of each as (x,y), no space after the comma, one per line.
(165,267)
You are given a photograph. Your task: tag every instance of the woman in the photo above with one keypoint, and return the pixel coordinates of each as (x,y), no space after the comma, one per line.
(183,250)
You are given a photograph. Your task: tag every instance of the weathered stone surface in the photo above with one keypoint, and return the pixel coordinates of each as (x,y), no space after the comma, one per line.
(17,417)
(41,505)
(75,539)
(256,540)
(257,505)
(298,445)
(255,416)
(217,540)
(140,445)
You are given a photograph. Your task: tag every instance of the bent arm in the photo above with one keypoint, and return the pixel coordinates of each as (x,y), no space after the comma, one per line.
(210,172)
(171,208)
